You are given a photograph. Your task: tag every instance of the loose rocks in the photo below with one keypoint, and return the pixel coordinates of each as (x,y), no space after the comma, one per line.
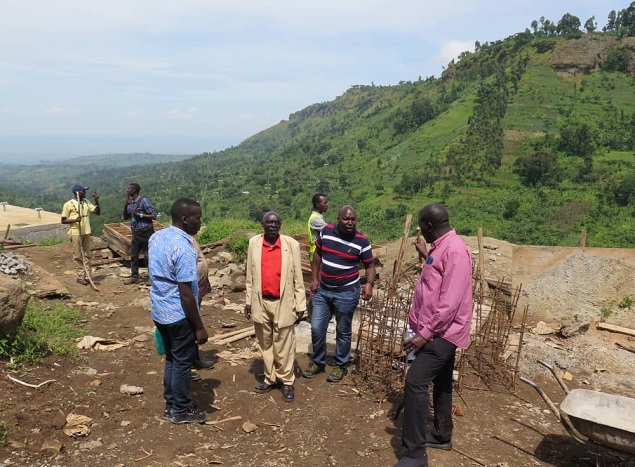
(12,264)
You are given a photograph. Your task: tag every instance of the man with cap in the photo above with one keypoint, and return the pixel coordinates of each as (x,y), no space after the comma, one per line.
(75,213)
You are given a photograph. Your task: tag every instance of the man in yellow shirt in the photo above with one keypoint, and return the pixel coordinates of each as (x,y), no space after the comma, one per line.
(75,213)
(316,221)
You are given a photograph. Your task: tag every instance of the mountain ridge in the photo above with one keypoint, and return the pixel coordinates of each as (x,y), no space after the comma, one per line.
(519,137)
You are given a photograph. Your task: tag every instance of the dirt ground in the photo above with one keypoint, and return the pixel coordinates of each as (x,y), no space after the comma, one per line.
(327,424)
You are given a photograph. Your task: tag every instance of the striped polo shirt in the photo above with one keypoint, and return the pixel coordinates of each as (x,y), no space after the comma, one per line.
(172,258)
(341,255)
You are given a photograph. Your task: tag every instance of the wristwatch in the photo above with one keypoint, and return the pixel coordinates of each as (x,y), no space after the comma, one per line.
(371,282)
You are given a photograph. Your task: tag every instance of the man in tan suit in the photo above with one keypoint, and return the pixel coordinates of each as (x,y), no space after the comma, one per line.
(275,300)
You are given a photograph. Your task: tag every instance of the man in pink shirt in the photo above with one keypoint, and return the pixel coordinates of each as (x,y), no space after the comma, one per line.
(440,317)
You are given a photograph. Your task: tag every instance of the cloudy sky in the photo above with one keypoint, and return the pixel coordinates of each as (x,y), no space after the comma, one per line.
(187,76)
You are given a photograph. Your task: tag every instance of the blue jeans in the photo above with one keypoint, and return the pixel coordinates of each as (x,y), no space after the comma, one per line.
(180,352)
(342,304)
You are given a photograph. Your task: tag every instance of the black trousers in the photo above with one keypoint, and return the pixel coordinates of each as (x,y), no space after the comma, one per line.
(434,363)
(139,243)
(180,352)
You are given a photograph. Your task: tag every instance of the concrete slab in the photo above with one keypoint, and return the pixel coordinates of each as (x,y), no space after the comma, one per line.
(303,336)
(29,225)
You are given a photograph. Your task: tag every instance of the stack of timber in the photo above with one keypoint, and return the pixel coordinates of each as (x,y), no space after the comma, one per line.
(118,237)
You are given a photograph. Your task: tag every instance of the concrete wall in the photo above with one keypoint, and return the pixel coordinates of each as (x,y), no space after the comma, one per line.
(37,233)
(29,225)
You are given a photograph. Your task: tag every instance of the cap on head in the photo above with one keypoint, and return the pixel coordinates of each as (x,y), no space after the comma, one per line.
(79,187)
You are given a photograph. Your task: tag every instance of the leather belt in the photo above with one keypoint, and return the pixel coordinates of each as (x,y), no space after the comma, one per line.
(270,297)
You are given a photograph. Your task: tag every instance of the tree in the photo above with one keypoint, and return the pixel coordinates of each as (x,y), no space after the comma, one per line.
(361,144)
(534,26)
(256,211)
(617,60)
(411,183)
(569,25)
(627,21)
(624,190)
(538,169)
(590,25)
(511,208)
(578,139)
(611,23)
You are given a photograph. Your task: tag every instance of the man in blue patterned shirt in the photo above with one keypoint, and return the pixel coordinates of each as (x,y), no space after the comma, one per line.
(174,307)
(141,214)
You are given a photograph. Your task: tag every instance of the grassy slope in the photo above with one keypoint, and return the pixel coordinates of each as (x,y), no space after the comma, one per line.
(350,149)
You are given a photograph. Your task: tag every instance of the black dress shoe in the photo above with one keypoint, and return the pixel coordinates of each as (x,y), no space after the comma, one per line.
(262,388)
(445,446)
(203,364)
(287,393)
(406,461)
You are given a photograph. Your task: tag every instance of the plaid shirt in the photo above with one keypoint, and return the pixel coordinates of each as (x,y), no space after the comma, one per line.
(142,206)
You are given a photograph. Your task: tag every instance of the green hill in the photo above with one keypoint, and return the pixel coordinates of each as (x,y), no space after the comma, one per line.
(531,137)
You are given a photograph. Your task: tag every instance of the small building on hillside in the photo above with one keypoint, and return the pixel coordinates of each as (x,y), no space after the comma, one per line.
(27,225)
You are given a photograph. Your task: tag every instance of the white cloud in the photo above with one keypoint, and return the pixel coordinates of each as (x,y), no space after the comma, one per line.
(176,113)
(60,111)
(157,16)
(451,50)
(246,64)
(133,113)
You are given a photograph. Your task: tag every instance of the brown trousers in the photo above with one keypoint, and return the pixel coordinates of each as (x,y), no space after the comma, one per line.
(80,242)
(277,346)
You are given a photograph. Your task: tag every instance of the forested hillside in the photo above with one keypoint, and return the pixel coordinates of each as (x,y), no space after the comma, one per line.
(48,185)
(531,137)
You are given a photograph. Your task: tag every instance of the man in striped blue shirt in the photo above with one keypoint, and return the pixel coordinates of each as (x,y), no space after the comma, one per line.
(336,289)
(174,307)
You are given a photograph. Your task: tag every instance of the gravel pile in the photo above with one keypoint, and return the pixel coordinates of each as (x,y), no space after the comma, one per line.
(592,359)
(12,264)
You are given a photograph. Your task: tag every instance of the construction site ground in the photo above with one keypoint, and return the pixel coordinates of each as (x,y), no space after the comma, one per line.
(327,424)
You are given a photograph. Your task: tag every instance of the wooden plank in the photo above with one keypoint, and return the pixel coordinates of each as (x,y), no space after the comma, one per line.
(396,271)
(101,262)
(625,347)
(118,237)
(16,247)
(614,328)
(481,259)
